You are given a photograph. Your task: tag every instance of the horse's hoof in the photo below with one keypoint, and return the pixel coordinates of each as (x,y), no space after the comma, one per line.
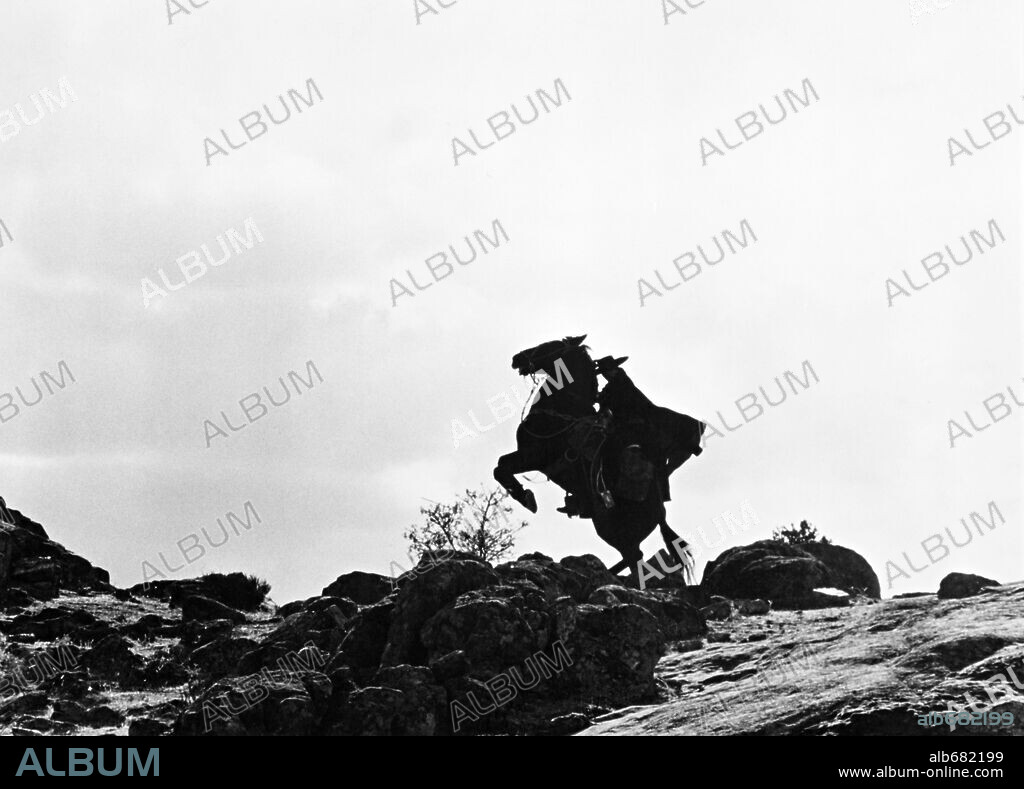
(529,501)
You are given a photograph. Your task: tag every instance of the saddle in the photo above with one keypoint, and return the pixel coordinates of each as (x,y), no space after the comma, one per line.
(615,471)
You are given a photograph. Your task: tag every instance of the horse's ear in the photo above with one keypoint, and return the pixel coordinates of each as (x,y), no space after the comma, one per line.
(578,340)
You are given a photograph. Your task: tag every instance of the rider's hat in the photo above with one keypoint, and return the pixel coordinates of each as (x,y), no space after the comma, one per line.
(607,364)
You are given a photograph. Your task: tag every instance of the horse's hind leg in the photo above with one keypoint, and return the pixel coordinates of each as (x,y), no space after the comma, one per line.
(505,473)
(630,559)
(679,548)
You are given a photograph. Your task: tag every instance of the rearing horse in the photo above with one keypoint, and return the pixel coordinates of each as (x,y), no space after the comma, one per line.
(565,403)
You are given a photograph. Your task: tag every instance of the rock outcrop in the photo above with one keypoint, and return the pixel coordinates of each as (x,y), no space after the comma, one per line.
(788,575)
(33,567)
(453,646)
(957,585)
(871,668)
(456,646)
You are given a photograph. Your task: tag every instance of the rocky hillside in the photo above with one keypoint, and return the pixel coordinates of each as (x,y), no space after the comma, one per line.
(458,646)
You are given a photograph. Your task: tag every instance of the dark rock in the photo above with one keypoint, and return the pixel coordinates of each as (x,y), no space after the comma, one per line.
(362,588)
(148,727)
(491,630)
(564,725)
(146,627)
(345,607)
(718,608)
(163,672)
(449,666)
(32,701)
(423,596)
(50,624)
(787,575)
(271,703)
(282,657)
(403,701)
(194,634)
(235,590)
(40,567)
(197,607)
(343,685)
(325,626)
(956,585)
(318,604)
(613,652)
(70,711)
(677,619)
(752,607)
(294,607)
(104,716)
(472,709)
(219,657)
(423,708)
(30,726)
(848,570)
(6,551)
(575,576)
(113,659)
(367,637)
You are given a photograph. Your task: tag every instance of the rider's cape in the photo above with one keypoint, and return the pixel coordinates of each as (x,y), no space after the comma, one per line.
(662,430)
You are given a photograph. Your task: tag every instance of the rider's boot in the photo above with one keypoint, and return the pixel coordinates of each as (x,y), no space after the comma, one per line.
(572,505)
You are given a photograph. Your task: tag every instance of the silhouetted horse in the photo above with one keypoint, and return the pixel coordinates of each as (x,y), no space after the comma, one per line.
(564,438)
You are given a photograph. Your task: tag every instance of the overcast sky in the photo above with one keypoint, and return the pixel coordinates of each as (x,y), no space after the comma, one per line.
(599,192)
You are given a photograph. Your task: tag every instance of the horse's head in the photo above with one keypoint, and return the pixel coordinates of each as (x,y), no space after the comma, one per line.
(568,363)
(532,360)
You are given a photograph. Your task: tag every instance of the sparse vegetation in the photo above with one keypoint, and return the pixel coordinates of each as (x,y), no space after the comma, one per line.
(244,592)
(799,535)
(477,522)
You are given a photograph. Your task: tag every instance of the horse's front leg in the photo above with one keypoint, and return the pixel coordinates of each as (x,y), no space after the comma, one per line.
(505,473)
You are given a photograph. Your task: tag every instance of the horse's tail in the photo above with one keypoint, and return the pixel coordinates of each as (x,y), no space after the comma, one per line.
(681,549)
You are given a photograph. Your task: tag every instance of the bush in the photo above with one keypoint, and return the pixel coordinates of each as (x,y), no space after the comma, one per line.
(799,535)
(245,592)
(477,522)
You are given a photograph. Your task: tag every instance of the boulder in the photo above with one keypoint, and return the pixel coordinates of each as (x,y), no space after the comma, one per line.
(219,657)
(367,636)
(422,596)
(849,570)
(270,703)
(752,607)
(402,701)
(718,608)
(112,658)
(787,575)
(235,590)
(197,607)
(359,587)
(490,629)
(677,619)
(575,576)
(33,563)
(49,624)
(957,585)
(612,649)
